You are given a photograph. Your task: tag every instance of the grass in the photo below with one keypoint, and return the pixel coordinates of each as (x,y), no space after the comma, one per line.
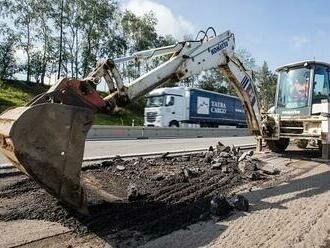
(14,93)
(123,118)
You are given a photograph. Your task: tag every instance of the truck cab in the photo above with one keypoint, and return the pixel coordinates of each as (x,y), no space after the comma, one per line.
(302,103)
(165,107)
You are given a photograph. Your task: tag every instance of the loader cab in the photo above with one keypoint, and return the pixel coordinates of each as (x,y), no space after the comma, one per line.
(302,106)
(303,89)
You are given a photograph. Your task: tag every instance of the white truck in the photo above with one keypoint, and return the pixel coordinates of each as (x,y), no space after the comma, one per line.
(192,107)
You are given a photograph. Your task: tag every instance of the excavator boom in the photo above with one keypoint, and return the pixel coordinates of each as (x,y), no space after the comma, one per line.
(46,138)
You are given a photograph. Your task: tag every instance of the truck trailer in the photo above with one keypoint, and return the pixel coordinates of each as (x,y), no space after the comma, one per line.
(192,107)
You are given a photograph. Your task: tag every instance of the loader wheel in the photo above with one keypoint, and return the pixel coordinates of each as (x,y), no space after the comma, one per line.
(301,143)
(319,145)
(278,146)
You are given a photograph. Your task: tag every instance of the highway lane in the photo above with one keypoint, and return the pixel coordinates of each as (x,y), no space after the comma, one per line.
(95,148)
(121,147)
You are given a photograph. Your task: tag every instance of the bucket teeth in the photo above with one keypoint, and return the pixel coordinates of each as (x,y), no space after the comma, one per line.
(46,142)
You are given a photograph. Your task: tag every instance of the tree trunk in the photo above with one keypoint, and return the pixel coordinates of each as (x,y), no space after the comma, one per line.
(87,57)
(76,55)
(28,72)
(44,62)
(61,41)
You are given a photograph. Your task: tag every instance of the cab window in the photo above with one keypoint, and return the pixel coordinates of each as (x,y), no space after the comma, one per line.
(294,87)
(321,84)
(169,101)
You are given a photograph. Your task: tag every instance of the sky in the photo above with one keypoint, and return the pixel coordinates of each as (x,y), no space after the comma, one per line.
(278,32)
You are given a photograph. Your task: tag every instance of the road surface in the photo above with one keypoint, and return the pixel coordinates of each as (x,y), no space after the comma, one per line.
(290,210)
(95,148)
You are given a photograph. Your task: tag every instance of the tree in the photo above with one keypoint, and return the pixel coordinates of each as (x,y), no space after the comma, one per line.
(37,66)
(45,37)
(140,32)
(97,17)
(266,87)
(213,80)
(74,25)
(24,15)
(246,58)
(7,50)
(61,10)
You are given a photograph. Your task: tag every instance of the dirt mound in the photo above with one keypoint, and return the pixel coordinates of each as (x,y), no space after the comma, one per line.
(133,201)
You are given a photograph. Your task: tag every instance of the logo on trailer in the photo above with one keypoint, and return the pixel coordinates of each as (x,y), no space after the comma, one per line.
(203,105)
(218,107)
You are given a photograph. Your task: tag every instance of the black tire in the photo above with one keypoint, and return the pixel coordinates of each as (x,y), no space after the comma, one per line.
(278,146)
(319,144)
(174,124)
(301,143)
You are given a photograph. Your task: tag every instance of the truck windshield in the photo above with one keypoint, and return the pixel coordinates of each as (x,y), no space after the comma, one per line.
(293,88)
(155,101)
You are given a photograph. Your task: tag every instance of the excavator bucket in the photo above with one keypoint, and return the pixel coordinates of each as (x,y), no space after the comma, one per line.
(46,141)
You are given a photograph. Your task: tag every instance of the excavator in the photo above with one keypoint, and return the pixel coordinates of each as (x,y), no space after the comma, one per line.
(45,139)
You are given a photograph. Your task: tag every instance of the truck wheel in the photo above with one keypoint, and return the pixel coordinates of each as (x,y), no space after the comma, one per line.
(301,143)
(174,124)
(278,146)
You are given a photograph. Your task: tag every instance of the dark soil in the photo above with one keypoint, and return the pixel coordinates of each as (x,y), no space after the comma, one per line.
(131,202)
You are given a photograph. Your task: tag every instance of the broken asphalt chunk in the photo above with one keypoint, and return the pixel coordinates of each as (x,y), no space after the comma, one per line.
(220,206)
(240,203)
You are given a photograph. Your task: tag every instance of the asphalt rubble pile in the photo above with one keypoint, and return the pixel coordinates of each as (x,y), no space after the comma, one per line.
(232,159)
(156,195)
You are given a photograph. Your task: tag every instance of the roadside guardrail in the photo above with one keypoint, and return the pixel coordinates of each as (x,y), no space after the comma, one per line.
(127,132)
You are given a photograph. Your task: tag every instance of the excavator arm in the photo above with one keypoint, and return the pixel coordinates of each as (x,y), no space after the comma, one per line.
(45,139)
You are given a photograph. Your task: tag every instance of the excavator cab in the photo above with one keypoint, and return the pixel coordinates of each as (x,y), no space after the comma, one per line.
(302,105)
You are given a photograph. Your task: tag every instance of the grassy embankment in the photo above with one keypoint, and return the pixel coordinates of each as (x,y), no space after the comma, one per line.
(15,93)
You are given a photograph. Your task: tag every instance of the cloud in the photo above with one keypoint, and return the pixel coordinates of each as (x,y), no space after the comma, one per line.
(168,22)
(299,41)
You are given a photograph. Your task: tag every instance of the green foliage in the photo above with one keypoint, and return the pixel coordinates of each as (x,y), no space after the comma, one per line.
(266,87)
(213,79)
(36,65)
(246,58)
(15,93)
(67,37)
(7,49)
(23,13)
(122,118)
(140,33)
(97,19)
